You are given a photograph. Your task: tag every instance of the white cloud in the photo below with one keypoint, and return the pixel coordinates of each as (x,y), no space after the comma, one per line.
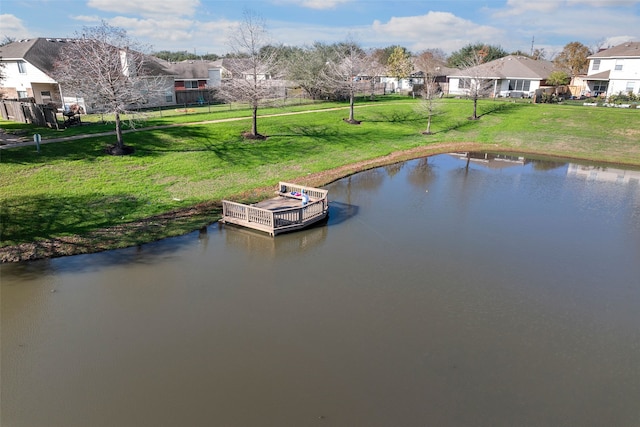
(614,41)
(520,7)
(186,34)
(602,3)
(441,30)
(554,29)
(314,4)
(87,18)
(149,7)
(13,27)
(306,34)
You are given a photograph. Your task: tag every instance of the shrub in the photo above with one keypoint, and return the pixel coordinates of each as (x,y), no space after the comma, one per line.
(622,97)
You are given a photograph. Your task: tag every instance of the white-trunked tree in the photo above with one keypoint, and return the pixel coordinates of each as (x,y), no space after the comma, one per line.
(254,64)
(343,73)
(112,73)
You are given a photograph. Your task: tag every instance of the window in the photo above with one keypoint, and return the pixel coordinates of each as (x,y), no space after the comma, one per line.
(596,65)
(599,87)
(464,83)
(191,84)
(22,94)
(45,95)
(520,84)
(22,67)
(168,96)
(618,65)
(630,87)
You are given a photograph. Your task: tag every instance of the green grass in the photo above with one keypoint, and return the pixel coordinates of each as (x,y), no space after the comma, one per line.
(73,188)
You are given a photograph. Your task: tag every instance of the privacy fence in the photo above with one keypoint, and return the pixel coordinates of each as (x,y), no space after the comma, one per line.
(29,112)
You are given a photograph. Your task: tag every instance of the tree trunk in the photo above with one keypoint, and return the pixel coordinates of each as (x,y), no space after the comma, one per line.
(475,108)
(254,121)
(351,102)
(119,141)
(428,132)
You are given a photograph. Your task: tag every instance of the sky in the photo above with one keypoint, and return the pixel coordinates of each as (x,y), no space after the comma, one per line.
(204,26)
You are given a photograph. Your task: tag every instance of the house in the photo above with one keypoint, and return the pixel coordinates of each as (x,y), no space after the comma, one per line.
(511,76)
(28,69)
(194,80)
(438,74)
(614,70)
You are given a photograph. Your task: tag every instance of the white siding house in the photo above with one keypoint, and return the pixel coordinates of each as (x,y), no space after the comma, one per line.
(29,65)
(615,70)
(511,76)
(26,65)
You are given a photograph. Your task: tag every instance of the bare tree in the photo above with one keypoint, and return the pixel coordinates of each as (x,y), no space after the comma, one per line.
(375,70)
(429,66)
(479,81)
(343,74)
(109,70)
(7,40)
(253,66)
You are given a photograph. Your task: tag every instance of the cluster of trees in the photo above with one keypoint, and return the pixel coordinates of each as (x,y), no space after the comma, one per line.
(322,70)
(183,55)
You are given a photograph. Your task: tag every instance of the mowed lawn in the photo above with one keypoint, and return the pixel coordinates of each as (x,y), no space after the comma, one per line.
(73,188)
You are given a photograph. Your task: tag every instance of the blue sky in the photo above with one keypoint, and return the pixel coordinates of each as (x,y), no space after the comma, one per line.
(203,26)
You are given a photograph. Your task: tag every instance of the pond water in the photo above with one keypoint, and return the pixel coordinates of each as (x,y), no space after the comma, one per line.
(499,294)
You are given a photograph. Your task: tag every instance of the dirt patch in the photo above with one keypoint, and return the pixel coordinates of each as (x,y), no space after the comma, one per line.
(257,136)
(627,132)
(116,150)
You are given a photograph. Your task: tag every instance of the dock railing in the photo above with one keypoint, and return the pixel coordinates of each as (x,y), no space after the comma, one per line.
(285,189)
(281,220)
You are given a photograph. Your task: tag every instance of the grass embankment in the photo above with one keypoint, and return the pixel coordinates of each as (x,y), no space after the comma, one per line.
(73,198)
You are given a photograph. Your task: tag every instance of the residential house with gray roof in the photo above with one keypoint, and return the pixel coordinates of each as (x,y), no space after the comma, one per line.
(29,66)
(512,76)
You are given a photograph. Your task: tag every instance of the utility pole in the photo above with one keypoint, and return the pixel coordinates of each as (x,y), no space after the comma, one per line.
(532,40)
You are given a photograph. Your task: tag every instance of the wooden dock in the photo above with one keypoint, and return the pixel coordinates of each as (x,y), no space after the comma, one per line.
(295,207)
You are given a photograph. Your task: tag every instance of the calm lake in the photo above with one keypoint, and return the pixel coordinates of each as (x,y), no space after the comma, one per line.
(502,294)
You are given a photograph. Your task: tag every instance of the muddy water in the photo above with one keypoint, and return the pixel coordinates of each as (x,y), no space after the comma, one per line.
(506,293)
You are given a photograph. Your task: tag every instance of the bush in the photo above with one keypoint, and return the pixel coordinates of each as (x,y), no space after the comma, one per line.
(622,97)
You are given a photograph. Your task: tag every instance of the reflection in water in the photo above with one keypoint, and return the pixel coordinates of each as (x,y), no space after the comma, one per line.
(263,244)
(608,174)
(492,160)
(435,294)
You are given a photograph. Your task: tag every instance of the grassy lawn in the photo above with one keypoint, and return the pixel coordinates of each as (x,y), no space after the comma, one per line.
(73,189)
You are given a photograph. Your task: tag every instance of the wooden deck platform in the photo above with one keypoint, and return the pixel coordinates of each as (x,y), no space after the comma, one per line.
(294,207)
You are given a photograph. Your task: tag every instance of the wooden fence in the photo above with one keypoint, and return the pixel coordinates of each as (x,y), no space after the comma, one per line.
(29,112)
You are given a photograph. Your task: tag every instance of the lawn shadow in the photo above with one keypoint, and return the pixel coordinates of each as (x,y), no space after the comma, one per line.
(499,108)
(395,117)
(32,218)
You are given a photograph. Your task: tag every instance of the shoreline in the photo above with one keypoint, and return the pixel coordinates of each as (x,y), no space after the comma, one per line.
(186,220)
